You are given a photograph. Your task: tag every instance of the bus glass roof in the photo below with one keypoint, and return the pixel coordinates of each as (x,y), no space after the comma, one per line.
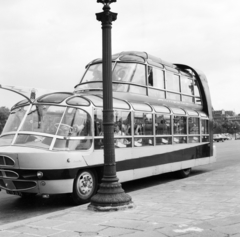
(77,100)
(141,107)
(203,114)
(54,97)
(178,111)
(132,58)
(161,109)
(120,104)
(192,112)
(20,103)
(98,102)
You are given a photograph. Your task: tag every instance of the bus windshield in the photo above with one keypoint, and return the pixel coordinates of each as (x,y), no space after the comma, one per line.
(43,122)
(43,119)
(57,120)
(14,119)
(133,73)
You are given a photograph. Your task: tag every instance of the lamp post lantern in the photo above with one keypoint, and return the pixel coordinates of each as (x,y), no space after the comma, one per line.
(110,195)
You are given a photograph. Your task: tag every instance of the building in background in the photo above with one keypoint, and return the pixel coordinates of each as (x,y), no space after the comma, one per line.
(222,115)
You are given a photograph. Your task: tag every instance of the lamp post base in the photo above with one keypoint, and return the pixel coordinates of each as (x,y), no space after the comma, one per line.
(110,197)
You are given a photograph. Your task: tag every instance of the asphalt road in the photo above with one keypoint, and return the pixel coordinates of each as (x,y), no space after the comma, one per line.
(13,208)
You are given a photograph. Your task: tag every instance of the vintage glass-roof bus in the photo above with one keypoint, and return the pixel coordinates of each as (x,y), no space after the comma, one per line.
(163,123)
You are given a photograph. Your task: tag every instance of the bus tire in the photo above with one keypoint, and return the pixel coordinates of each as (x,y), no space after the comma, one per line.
(84,186)
(181,174)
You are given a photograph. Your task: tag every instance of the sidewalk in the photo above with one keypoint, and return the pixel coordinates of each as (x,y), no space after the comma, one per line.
(206,205)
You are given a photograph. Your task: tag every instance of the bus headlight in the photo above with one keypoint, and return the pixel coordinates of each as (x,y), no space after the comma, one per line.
(39,174)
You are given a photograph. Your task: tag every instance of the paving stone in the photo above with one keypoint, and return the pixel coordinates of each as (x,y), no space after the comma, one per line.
(82,218)
(169,220)
(34,230)
(133,224)
(237,235)
(129,215)
(112,231)
(66,234)
(207,233)
(189,231)
(8,234)
(27,235)
(231,229)
(203,225)
(81,227)
(225,221)
(145,234)
(47,223)
(168,231)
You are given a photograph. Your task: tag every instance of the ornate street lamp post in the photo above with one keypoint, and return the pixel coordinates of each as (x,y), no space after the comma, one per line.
(110,195)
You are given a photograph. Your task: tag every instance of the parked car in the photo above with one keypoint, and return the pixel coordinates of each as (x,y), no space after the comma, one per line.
(228,137)
(218,137)
(225,137)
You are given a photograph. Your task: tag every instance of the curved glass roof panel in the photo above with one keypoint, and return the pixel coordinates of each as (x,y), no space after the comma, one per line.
(141,107)
(54,97)
(97,101)
(20,103)
(120,104)
(171,69)
(77,100)
(161,109)
(132,58)
(192,112)
(153,63)
(178,111)
(202,114)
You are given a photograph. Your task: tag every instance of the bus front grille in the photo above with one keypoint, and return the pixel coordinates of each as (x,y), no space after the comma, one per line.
(17,185)
(24,185)
(6,161)
(8,174)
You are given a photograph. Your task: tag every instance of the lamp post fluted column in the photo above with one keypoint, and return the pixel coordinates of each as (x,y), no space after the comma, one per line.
(110,195)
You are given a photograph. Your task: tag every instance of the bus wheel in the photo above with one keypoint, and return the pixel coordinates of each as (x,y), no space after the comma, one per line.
(180,174)
(84,186)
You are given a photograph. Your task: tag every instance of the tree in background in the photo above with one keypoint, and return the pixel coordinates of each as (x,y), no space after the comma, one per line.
(231,127)
(226,127)
(217,127)
(4,113)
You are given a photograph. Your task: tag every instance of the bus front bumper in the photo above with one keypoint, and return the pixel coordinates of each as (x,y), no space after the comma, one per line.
(37,186)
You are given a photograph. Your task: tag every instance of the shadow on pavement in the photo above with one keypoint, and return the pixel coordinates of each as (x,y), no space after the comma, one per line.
(16,208)
(157,180)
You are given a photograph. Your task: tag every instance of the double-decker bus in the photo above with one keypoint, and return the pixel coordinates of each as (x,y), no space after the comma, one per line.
(163,123)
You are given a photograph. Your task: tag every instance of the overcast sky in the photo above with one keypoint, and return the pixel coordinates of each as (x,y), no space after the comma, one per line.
(47,43)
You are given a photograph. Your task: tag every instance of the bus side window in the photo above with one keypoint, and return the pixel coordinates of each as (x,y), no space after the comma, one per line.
(143,128)
(148,124)
(193,125)
(122,120)
(180,125)
(204,126)
(150,76)
(197,95)
(98,129)
(156,77)
(162,124)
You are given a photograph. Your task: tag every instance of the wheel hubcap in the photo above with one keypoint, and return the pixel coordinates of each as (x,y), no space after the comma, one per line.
(85,184)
